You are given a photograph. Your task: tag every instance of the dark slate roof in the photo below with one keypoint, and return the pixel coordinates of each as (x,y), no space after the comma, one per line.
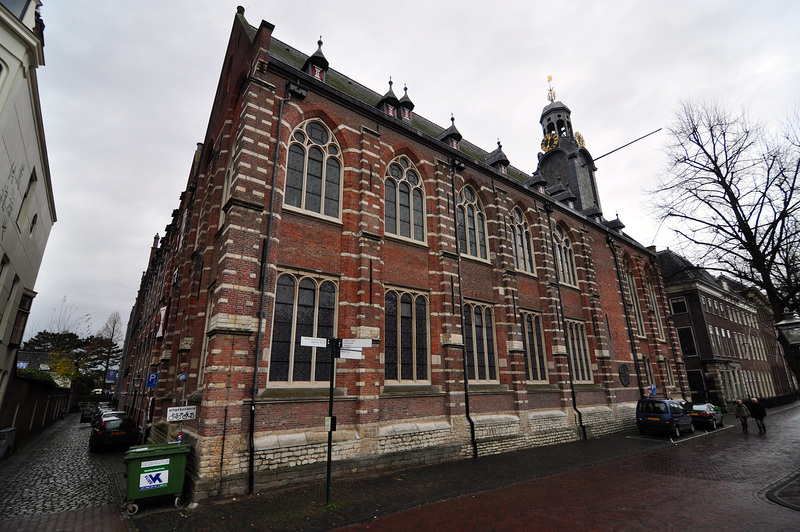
(675,268)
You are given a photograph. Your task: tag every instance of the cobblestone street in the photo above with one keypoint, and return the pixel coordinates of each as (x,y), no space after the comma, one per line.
(57,473)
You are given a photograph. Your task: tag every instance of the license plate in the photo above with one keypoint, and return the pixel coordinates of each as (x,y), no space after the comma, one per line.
(653,419)
(695,414)
(118,433)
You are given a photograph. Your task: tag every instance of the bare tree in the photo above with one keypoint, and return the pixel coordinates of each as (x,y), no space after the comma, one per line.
(109,336)
(731,192)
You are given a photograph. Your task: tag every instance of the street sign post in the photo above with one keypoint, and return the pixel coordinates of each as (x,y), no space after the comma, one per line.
(152,380)
(181,413)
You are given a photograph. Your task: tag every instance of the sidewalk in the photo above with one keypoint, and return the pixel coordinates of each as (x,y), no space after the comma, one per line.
(365,498)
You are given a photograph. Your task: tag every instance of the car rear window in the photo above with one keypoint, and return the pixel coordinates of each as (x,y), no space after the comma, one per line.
(113,424)
(654,407)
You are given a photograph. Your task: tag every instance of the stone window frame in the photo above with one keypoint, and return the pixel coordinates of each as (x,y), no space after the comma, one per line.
(578,351)
(402,172)
(415,351)
(480,343)
(473,237)
(650,286)
(522,242)
(533,343)
(630,277)
(292,356)
(565,257)
(312,141)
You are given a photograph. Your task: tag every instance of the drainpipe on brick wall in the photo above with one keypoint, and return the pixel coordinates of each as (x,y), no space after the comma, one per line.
(610,240)
(300,93)
(548,207)
(458,165)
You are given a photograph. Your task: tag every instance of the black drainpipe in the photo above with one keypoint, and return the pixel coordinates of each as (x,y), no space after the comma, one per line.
(610,240)
(548,207)
(291,89)
(458,165)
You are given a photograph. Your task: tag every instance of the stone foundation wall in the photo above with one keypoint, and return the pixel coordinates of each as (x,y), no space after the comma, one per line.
(301,457)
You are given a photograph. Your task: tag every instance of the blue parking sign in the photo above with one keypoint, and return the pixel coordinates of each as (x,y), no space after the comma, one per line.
(152,380)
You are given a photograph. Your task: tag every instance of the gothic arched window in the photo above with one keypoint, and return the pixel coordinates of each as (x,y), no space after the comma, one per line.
(406,352)
(471,225)
(404,200)
(314,170)
(479,343)
(521,243)
(565,258)
(637,307)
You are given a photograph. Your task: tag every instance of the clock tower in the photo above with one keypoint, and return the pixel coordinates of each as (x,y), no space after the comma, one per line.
(564,159)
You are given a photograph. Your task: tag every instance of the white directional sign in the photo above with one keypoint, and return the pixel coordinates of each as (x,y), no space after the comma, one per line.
(181,413)
(310,341)
(351,347)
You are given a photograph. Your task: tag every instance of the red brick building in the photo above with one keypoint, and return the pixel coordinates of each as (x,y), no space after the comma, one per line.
(316,207)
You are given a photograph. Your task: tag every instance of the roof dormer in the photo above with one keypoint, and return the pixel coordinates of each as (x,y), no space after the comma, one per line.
(497,159)
(450,135)
(316,65)
(406,106)
(389,104)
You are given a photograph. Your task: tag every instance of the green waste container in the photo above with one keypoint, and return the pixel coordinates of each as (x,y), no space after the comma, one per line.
(155,470)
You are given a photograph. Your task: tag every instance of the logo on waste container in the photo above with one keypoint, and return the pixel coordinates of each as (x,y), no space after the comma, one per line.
(154,474)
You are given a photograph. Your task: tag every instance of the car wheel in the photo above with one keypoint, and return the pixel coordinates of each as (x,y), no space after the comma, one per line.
(676,431)
(691,428)
(713,424)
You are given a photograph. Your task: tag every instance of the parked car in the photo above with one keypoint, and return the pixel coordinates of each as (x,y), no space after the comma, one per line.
(663,415)
(86,415)
(113,432)
(707,414)
(105,414)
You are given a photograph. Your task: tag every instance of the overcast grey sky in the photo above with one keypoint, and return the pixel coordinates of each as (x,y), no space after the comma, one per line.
(128,86)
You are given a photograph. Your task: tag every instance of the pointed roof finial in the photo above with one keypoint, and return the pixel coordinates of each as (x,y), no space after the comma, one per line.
(452,120)
(551,94)
(499,146)
(319,42)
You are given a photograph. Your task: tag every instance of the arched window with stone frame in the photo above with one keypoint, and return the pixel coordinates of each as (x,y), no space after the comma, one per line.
(314,170)
(472,237)
(578,351)
(634,295)
(406,342)
(565,257)
(534,347)
(521,242)
(404,200)
(304,306)
(650,282)
(479,343)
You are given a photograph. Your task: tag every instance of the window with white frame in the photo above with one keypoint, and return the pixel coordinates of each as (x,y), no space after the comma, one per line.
(686,340)
(678,305)
(521,243)
(314,170)
(304,306)
(533,344)
(578,351)
(471,224)
(406,355)
(479,343)
(404,200)
(565,258)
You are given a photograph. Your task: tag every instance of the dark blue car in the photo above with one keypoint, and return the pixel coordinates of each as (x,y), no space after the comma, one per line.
(663,415)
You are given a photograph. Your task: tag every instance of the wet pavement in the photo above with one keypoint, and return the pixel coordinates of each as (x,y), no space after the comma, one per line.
(707,481)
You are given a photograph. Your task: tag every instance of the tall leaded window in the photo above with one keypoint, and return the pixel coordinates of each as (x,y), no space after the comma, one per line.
(471,224)
(578,351)
(634,294)
(565,258)
(479,343)
(314,170)
(404,201)
(533,342)
(521,243)
(651,294)
(303,307)
(406,338)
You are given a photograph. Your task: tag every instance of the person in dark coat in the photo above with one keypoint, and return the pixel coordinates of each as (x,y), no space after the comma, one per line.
(758,413)
(741,413)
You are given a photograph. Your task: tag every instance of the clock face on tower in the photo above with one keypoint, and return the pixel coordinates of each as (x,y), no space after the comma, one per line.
(579,140)
(550,141)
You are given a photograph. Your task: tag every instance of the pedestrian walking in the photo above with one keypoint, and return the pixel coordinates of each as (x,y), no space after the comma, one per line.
(742,413)
(759,413)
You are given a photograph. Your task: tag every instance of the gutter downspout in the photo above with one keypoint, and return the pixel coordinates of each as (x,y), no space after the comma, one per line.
(263,289)
(610,240)
(548,207)
(458,165)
